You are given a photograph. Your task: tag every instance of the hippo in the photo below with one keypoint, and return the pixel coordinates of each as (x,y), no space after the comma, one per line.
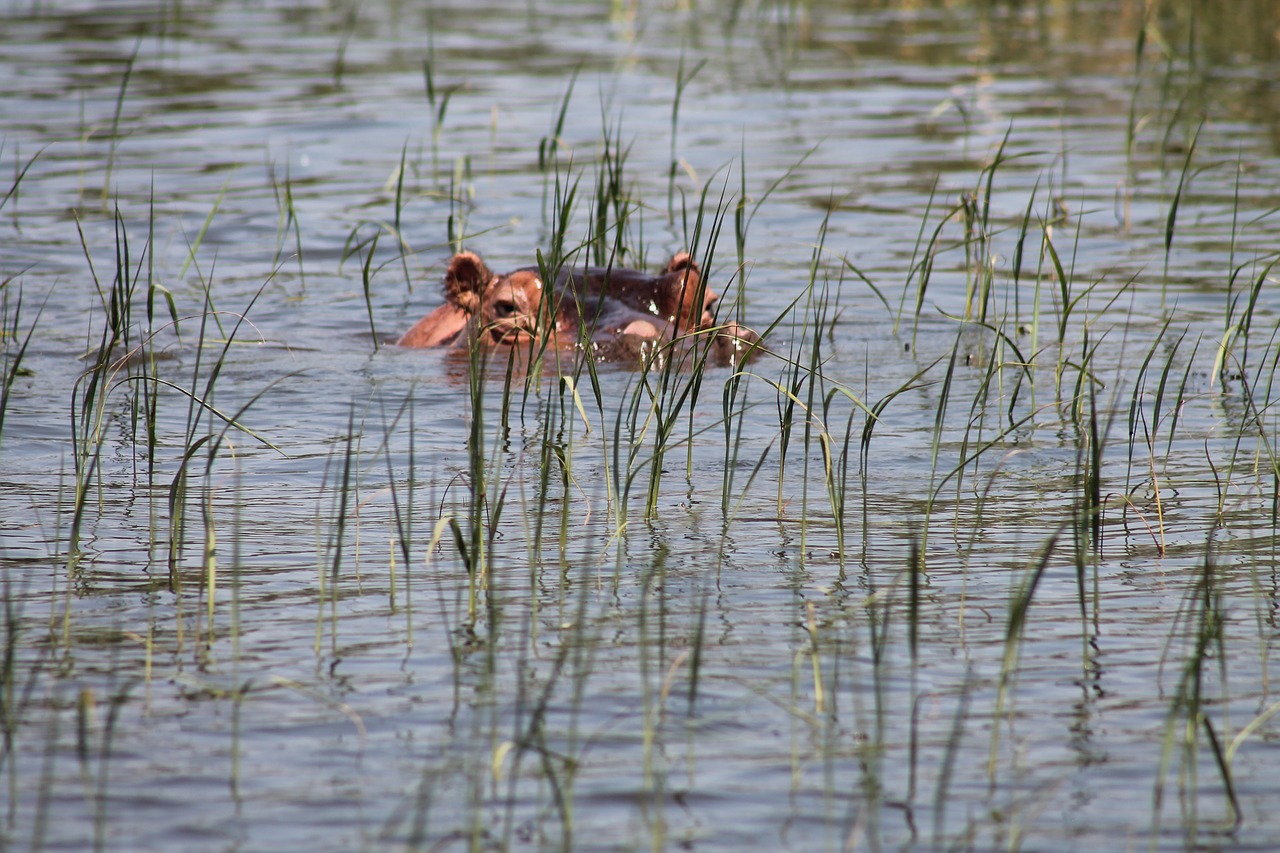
(626,312)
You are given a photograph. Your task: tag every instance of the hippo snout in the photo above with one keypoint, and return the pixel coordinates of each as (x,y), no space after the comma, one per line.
(734,343)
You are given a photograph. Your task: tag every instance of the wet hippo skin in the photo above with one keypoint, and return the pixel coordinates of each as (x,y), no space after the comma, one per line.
(615,310)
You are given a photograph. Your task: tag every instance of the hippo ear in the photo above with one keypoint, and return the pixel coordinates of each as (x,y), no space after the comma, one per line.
(682,261)
(466,280)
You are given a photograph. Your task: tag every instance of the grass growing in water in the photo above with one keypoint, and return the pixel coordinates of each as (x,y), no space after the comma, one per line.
(884,625)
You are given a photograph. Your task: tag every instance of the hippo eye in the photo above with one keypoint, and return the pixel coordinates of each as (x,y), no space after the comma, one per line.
(504,309)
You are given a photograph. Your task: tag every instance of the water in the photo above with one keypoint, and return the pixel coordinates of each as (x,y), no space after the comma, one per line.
(728,671)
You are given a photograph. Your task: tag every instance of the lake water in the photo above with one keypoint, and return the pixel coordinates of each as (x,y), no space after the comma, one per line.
(269,585)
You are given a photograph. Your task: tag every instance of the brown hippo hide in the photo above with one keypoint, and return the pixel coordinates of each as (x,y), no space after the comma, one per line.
(621,310)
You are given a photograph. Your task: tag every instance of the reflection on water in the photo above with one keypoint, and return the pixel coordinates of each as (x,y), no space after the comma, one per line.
(269,582)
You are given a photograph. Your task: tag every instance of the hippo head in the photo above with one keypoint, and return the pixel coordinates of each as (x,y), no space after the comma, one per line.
(610,308)
(509,309)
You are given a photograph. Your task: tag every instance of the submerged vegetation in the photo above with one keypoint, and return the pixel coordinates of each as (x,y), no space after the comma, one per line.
(978,551)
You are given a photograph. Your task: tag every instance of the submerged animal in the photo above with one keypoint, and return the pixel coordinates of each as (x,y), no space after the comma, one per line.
(614,311)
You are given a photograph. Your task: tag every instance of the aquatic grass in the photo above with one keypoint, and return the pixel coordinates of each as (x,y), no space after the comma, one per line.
(922,262)
(1263,458)
(917,264)
(813,389)
(13,193)
(683,79)
(89,395)
(13,355)
(612,205)
(1182,393)
(534,736)
(818,413)
(330,553)
(402,513)
(397,229)
(935,444)
(210,444)
(972,458)
(1088,509)
(194,245)
(1150,426)
(735,404)
(991,392)
(735,397)
(1201,621)
(979,235)
(287,221)
(1172,218)
(734,389)
(461,193)
(1065,304)
(836,465)
(558,452)
(200,403)
(366,279)
(549,164)
(486,493)
(470,542)
(662,380)
(795,377)
(363,238)
(1019,250)
(512,759)
(125,357)
(681,371)
(1015,631)
(438,101)
(115,122)
(1135,123)
(1238,329)
(734,407)
(555,447)
(349,19)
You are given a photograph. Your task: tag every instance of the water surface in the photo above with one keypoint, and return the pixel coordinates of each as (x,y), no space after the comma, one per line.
(273,638)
